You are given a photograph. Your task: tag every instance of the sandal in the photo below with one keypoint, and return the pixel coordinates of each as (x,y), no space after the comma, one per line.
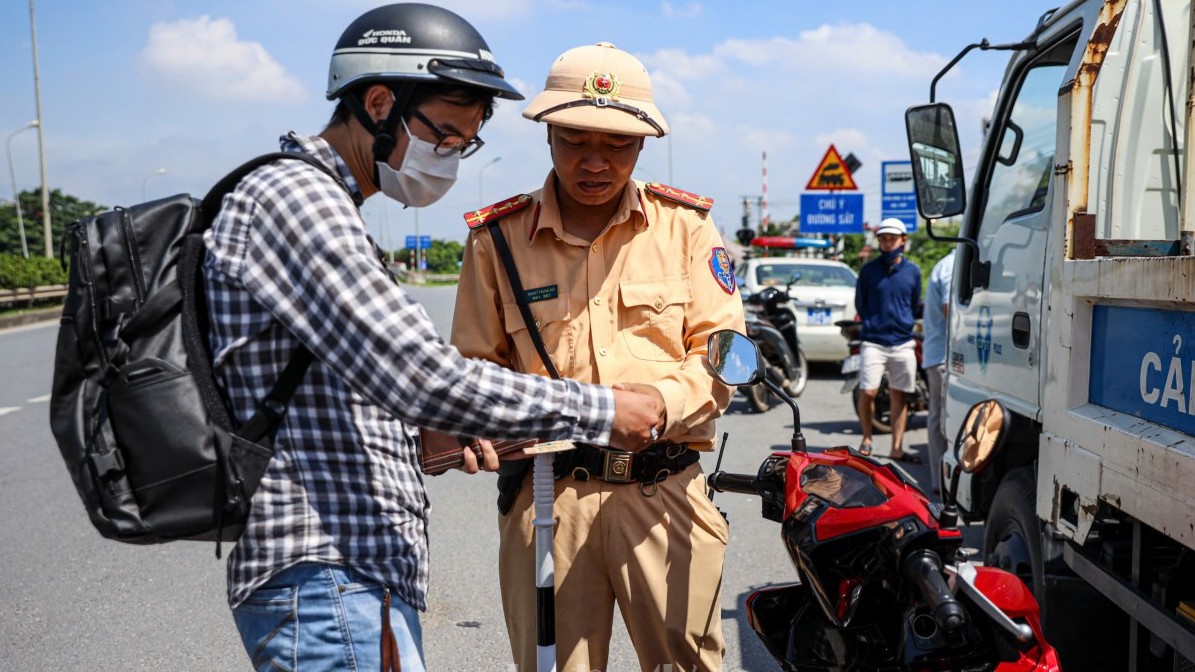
(865,449)
(907,458)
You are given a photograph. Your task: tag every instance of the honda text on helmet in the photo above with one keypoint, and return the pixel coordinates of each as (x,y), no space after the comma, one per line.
(405,46)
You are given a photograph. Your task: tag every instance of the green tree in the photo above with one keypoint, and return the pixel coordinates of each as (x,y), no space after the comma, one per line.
(445,256)
(64,209)
(925,251)
(17,272)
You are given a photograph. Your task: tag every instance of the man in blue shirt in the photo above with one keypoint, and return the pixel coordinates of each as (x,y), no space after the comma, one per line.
(933,360)
(888,300)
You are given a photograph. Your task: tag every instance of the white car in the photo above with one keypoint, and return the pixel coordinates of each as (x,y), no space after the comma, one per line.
(822,294)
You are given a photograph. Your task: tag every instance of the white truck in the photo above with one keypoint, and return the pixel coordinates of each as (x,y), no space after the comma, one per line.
(1073,307)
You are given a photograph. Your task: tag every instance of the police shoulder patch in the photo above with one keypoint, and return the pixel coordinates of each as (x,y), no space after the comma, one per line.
(722,270)
(477,218)
(694,201)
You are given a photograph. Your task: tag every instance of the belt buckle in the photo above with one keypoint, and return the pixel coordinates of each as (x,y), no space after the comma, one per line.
(616,467)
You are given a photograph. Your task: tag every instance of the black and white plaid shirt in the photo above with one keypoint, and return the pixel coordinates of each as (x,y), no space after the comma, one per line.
(288,261)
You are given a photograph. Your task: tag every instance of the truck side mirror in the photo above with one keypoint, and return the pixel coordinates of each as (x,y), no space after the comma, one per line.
(938,176)
(937,161)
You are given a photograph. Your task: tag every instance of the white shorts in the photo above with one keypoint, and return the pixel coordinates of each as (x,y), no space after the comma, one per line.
(900,361)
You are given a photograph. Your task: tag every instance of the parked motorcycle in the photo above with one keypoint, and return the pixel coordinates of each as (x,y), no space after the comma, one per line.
(884,583)
(881,417)
(774,328)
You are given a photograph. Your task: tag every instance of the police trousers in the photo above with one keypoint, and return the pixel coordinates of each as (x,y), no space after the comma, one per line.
(658,557)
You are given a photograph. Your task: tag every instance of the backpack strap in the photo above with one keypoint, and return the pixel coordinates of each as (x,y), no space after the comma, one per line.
(271,410)
(212,201)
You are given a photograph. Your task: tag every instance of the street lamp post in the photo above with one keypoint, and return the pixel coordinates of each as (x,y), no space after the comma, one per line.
(16,197)
(480,197)
(159,171)
(41,141)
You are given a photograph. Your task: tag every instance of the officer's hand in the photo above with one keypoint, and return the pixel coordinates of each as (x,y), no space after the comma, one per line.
(488,460)
(653,392)
(635,416)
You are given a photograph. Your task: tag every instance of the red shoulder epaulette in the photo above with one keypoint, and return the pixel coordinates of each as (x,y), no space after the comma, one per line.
(496,211)
(683,197)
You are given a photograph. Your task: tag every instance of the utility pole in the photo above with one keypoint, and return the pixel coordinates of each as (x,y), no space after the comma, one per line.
(758,201)
(763,208)
(41,140)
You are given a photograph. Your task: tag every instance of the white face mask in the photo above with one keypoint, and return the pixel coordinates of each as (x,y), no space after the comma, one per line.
(424,177)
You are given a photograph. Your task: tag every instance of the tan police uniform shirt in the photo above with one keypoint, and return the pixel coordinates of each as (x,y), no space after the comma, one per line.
(636,305)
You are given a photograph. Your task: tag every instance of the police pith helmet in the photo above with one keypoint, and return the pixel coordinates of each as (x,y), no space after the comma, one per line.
(415,43)
(599,88)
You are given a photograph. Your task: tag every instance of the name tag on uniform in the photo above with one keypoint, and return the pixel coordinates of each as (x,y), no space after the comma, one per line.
(542,293)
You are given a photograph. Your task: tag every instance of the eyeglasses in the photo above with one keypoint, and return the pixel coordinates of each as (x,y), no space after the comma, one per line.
(448,144)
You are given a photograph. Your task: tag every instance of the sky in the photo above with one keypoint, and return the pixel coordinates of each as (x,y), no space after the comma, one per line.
(158,97)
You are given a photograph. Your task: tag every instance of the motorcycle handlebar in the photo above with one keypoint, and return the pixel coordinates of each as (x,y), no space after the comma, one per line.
(924,570)
(722,481)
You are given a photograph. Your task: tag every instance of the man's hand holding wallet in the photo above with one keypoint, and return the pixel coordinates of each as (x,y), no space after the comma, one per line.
(639,417)
(441,452)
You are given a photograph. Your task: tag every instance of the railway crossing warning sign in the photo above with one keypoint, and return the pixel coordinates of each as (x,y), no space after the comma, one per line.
(831,174)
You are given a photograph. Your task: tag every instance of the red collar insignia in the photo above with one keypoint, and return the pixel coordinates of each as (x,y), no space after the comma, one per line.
(477,218)
(694,201)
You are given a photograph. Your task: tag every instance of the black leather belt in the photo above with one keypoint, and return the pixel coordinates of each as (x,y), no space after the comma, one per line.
(651,465)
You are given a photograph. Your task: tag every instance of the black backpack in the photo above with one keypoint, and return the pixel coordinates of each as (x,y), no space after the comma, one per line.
(141,423)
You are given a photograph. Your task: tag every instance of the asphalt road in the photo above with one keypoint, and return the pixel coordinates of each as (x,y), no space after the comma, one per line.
(72,600)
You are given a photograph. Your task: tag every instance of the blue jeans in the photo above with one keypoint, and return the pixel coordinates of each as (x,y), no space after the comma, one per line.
(316,616)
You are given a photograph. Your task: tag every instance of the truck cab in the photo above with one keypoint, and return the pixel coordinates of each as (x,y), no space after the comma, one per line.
(1072,309)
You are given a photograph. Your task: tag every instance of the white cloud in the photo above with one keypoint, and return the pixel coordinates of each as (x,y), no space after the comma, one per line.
(847,137)
(688,11)
(855,48)
(204,56)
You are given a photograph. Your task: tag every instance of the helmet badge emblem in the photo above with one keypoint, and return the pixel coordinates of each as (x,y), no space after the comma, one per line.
(601,86)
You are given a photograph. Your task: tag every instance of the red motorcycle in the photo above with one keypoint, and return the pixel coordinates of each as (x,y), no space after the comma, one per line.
(884,584)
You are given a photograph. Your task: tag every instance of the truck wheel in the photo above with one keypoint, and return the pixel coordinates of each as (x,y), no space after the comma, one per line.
(881,414)
(799,377)
(758,397)
(1013,542)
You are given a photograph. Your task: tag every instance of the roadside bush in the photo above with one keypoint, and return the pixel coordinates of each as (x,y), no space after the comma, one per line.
(17,272)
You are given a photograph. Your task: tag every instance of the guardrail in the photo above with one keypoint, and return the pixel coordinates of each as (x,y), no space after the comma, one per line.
(424,277)
(28,295)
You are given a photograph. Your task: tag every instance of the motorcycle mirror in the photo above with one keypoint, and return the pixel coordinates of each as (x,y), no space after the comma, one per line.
(734,359)
(981,436)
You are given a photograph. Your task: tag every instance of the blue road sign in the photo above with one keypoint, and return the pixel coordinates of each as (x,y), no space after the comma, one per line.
(412,241)
(909,217)
(425,242)
(898,198)
(832,213)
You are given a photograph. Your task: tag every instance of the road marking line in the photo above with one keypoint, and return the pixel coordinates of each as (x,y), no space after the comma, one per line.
(5,410)
(38,400)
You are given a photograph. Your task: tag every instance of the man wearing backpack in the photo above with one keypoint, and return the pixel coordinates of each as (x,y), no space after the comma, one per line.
(332,566)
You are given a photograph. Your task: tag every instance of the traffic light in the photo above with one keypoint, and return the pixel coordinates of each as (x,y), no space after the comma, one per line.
(745,236)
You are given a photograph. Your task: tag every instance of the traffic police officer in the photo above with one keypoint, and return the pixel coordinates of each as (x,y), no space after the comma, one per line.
(625,282)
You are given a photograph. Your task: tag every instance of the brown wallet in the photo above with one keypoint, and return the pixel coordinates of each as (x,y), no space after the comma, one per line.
(440,452)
